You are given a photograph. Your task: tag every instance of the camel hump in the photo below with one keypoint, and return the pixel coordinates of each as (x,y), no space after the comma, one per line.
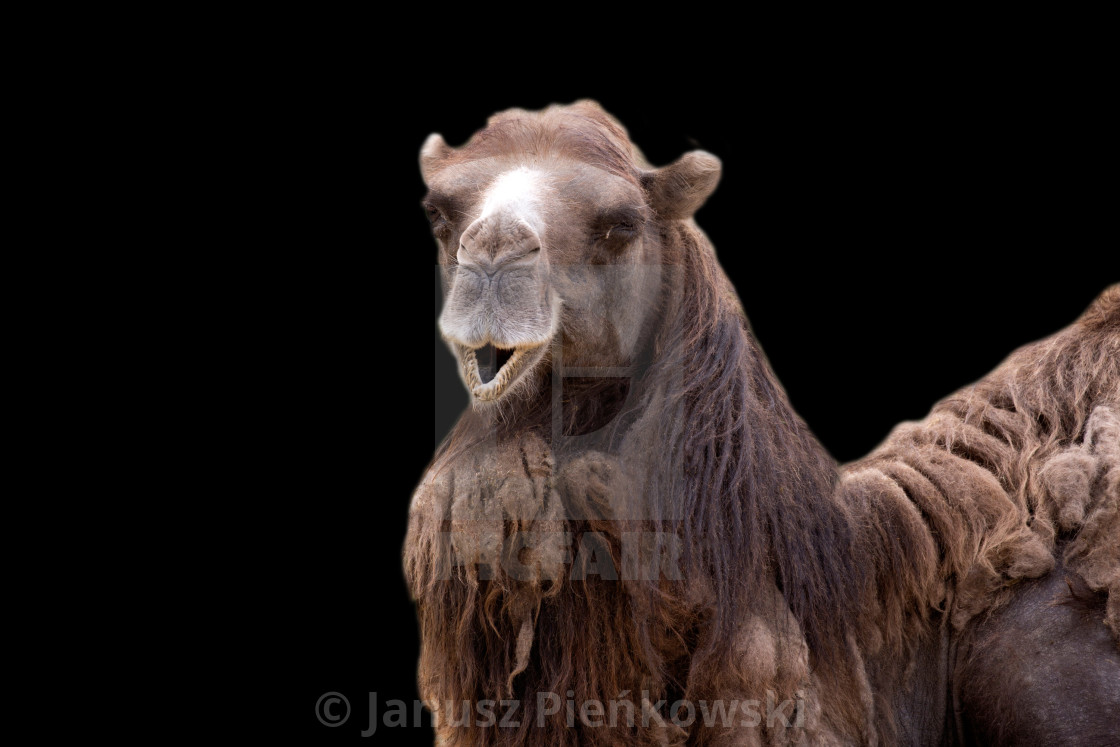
(1104,311)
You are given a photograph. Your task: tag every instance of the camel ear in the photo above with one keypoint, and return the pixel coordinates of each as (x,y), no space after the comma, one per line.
(432,153)
(678,190)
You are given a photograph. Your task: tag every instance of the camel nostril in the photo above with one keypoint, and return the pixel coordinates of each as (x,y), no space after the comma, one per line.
(522,258)
(489,265)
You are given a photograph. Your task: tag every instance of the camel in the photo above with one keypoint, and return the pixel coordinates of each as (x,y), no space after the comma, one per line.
(630,537)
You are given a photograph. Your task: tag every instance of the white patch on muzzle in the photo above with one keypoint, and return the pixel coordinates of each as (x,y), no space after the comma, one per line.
(519,191)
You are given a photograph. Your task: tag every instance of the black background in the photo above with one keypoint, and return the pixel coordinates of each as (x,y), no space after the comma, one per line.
(893,230)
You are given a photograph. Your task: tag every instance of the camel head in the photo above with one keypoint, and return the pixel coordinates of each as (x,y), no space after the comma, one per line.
(549,226)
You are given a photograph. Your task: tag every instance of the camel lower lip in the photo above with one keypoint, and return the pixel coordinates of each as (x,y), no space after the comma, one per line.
(505,374)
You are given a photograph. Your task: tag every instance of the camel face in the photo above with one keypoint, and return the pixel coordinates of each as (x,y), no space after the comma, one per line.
(549,247)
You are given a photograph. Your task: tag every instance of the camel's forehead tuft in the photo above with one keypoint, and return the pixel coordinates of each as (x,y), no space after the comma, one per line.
(581,131)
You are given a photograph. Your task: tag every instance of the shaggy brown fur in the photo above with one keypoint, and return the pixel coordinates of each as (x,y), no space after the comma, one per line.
(983,493)
(843,589)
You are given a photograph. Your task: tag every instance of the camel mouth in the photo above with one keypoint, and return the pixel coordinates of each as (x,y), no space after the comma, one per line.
(491,369)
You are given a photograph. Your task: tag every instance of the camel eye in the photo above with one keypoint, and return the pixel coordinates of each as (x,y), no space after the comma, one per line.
(438,221)
(619,232)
